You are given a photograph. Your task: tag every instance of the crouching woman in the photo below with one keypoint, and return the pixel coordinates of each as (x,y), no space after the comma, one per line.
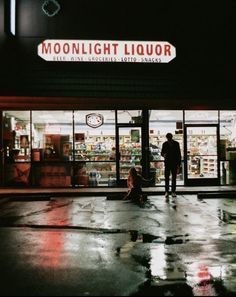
(134,184)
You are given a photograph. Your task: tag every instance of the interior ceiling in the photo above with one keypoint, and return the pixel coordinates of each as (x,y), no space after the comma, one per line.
(60,116)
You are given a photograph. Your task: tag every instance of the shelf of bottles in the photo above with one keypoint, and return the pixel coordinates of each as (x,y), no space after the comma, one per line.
(93,152)
(96,162)
(129,157)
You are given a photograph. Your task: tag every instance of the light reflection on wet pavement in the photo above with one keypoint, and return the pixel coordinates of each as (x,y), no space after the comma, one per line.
(96,247)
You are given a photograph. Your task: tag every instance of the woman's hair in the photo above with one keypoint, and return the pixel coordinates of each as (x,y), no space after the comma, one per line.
(133,171)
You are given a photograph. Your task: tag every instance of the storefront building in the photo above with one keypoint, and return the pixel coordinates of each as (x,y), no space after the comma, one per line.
(96,148)
(89,91)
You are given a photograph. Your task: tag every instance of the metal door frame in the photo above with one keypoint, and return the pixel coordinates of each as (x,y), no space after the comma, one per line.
(120,181)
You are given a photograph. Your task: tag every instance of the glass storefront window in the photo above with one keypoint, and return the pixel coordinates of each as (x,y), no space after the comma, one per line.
(202,152)
(201,116)
(228,129)
(129,116)
(95,148)
(52,143)
(162,122)
(57,148)
(228,146)
(17,147)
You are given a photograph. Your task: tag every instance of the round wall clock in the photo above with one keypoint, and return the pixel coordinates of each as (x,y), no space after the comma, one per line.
(94,120)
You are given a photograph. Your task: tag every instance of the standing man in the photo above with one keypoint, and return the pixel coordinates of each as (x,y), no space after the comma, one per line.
(172,155)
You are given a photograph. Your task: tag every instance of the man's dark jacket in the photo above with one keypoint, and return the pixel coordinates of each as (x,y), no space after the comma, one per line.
(171,152)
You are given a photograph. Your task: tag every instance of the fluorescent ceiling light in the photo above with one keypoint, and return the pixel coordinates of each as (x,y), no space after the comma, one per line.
(13,17)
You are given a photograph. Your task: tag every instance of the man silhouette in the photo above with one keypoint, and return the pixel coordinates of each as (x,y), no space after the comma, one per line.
(172,155)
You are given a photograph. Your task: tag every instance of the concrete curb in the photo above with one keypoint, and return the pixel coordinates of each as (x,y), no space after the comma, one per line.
(4,200)
(216,195)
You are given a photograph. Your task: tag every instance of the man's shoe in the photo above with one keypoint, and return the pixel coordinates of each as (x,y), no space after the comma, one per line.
(173,195)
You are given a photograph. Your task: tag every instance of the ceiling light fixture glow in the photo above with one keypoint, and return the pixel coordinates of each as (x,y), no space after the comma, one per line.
(13,17)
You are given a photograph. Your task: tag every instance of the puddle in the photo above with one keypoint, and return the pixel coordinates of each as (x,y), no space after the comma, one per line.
(178,289)
(167,274)
(226,217)
(176,239)
(142,237)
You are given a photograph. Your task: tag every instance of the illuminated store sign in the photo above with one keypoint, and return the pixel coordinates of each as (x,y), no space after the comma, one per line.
(106,51)
(94,120)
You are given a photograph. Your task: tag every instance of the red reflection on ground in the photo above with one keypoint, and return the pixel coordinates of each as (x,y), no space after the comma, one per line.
(52,242)
(52,249)
(204,286)
(204,275)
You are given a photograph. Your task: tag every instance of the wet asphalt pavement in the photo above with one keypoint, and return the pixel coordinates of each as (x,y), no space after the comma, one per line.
(92,246)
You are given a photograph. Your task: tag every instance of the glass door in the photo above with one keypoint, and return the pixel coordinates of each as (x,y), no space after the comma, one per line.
(201,149)
(130,151)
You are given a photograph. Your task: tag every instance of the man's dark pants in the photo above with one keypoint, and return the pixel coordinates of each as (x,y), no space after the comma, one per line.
(170,169)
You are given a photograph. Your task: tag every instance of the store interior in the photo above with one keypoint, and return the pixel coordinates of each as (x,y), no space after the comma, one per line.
(90,148)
